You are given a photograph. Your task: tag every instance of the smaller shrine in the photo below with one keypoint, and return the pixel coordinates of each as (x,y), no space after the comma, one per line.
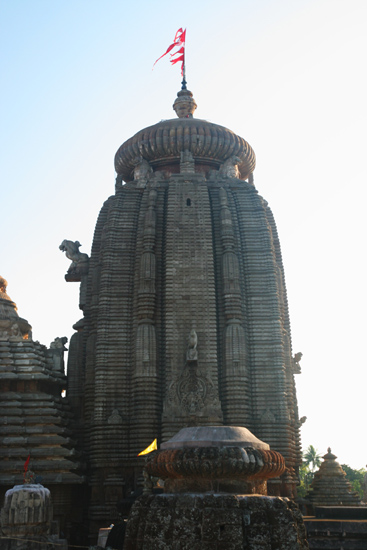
(330,486)
(35,420)
(26,521)
(338,518)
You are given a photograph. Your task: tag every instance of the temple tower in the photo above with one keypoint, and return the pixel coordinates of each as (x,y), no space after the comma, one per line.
(185,309)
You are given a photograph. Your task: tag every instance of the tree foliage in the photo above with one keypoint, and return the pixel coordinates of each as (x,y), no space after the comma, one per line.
(305,479)
(311,458)
(311,461)
(356,479)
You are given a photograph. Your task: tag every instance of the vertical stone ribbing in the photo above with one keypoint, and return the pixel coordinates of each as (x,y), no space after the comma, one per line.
(91,322)
(145,378)
(264,317)
(235,373)
(295,458)
(110,348)
(113,344)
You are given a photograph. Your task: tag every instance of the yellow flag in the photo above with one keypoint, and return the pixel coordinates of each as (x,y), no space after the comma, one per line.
(152,447)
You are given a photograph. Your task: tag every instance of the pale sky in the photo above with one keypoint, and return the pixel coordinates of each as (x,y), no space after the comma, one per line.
(289,76)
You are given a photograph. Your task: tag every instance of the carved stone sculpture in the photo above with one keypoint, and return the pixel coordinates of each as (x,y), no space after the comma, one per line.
(56,351)
(187,163)
(142,171)
(59,343)
(79,260)
(296,363)
(192,354)
(229,168)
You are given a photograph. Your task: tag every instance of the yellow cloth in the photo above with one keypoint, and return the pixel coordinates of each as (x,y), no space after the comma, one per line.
(152,447)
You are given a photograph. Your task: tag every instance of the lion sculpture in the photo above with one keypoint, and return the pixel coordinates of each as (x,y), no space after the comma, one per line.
(229,168)
(71,250)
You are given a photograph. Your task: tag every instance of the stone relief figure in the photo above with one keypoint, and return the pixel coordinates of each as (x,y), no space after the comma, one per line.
(229,168)
(115,418)
(192,354)
(15,332)
(295,363)
(78,259)
(142,170)
(186,156)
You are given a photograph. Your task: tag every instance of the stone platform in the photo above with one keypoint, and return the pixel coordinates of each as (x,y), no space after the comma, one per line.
(214,522)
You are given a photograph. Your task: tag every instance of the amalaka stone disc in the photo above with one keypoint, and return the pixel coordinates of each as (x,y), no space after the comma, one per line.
(214,436)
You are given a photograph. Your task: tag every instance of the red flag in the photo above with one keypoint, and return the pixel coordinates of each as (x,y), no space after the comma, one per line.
(181,58)
(178,42)
(26,464)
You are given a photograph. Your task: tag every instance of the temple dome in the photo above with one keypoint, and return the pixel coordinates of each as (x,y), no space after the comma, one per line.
(161,145)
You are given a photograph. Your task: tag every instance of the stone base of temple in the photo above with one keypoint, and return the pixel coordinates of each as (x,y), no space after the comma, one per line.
(325,534)
(215,522)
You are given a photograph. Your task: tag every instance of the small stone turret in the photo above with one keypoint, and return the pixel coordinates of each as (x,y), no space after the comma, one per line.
(27,511)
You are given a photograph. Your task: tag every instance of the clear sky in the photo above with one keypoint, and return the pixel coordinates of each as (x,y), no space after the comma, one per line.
(288,76)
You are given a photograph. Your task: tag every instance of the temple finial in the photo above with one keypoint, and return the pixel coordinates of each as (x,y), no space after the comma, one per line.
(185,104)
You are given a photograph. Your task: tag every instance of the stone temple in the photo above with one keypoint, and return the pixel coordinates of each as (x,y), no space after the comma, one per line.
(185,316)
(185,308)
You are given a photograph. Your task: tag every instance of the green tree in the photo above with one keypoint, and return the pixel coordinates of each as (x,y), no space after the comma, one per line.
(305,479)
(356,478)
(311,458)
(311,461)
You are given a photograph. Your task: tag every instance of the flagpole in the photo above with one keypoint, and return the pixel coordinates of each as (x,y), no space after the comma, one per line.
(183,87)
